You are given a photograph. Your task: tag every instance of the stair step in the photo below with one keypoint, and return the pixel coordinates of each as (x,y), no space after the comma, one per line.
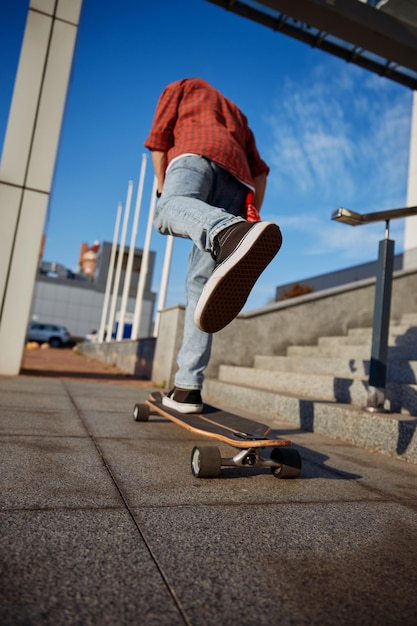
(394,329)
(310,385)
(394,339)
(360,331)
(348,390)
(409,318)
(389,433)
(397,371)
(399,353)
(345,340)
(354,352)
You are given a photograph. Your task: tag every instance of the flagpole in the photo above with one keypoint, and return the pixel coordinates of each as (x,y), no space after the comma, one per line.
(119,263)
(110,273)
(128,273)
(164,282)
(144,266)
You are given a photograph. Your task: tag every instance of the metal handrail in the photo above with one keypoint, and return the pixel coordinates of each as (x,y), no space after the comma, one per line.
(346,216)
(382,306)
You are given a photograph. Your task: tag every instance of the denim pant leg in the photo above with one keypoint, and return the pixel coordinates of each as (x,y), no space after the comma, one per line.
(195,201)
(199,199)
(194,354)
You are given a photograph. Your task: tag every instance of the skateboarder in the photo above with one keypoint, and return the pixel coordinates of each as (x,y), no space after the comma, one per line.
(206,163)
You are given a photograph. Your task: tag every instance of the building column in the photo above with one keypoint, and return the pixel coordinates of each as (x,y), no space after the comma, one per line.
(410,233)
(28,162)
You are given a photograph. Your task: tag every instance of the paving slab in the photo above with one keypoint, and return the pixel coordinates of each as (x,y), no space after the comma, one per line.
(80,567)
(326,563)
(54,472)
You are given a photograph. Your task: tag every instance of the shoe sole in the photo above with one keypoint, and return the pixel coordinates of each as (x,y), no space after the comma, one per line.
(182,407)
(226,291)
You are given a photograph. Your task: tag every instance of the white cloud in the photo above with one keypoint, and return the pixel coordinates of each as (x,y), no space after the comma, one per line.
(353,243)
(301,221)
(341,130)
(338,139)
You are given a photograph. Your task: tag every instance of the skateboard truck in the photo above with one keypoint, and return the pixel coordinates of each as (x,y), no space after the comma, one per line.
(206,461)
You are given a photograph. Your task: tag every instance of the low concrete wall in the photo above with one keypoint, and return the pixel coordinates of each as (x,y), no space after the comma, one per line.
(171,326)
(133,357)
(270,330)
(266,331)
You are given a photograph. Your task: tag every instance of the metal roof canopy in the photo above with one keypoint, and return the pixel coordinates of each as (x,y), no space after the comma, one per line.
(382,40)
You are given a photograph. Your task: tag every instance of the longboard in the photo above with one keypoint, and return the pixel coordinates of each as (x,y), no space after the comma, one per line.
(254,441)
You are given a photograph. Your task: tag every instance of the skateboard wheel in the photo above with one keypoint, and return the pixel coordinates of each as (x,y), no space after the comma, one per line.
(141,412)
(206,462)
(289,462)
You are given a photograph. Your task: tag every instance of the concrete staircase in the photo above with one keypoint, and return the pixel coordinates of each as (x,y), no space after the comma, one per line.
(323,388)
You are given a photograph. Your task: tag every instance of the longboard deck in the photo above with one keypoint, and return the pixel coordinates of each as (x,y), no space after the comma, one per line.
(229,428)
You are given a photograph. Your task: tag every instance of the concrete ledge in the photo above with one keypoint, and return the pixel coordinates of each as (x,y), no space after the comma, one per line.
(133,357)
(169,342)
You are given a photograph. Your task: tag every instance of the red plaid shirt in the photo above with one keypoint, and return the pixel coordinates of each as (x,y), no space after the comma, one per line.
(193,117)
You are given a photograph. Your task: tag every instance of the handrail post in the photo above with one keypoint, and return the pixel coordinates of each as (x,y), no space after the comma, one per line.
(380,326)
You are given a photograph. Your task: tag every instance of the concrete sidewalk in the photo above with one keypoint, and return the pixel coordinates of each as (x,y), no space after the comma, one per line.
(102,522)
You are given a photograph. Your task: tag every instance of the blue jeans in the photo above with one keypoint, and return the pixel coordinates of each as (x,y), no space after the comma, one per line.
(199,199)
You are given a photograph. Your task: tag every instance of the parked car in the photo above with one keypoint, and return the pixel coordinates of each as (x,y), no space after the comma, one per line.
(53,334)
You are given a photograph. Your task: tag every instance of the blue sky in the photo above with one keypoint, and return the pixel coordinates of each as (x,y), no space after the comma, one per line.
(333,134)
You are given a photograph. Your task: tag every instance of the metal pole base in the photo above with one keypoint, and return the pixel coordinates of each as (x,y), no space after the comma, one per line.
(376,400)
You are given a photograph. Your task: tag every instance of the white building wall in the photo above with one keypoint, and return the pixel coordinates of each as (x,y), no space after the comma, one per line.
(79,308)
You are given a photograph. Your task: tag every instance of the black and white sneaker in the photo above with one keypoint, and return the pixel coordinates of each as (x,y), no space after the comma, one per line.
(243,251)
(184,400)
